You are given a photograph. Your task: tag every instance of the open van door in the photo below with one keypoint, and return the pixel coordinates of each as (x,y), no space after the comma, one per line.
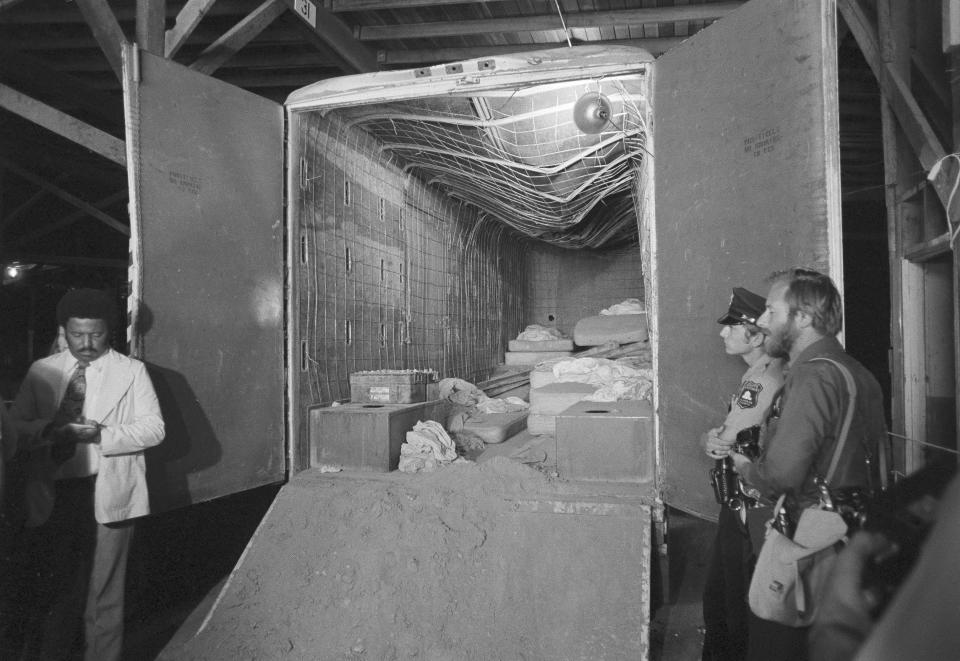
(747,181)
(205,169)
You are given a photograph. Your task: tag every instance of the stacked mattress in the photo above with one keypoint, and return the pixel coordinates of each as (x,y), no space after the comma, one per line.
(620,328)
(531,352)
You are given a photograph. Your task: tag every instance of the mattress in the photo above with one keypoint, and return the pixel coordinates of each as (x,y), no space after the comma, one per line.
(621,328)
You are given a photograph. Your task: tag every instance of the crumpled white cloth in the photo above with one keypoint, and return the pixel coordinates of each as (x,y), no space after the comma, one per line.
(629,306)
(460,391)
(639,387)
(538,333)
(465,393)
(616,380)
(427,448)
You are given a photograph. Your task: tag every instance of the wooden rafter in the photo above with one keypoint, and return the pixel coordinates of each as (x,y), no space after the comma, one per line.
(336,34)
(28,258)
(543,22)
(106,30)
(187,21)
(435,55)
(90,210)
(63,125)
(12,217)
(58,88)
(921,136)
(338,6)
(70,218)
(124,10)
(238,36)
(150,19)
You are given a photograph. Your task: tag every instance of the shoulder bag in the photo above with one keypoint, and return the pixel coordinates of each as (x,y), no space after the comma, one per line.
(791,574)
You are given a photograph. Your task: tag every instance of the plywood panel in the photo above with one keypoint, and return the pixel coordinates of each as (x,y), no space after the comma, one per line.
(747,182)
(207,183)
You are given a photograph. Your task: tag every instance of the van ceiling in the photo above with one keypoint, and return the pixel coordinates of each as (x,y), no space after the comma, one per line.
(519,156)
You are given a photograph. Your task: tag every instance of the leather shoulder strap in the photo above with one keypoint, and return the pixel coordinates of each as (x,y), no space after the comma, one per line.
(848,419)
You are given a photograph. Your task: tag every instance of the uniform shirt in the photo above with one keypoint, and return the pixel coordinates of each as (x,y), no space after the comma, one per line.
(760,383)
(799,445)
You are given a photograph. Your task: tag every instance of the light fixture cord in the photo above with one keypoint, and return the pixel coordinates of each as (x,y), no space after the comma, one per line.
(566,32)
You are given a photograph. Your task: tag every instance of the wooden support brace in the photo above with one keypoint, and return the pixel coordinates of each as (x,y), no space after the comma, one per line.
(151,15)
(914,123)
(106,219)
(106,30)
(700,12)
(187,21)
(63,125)
(71,218)
(238,36)
(335,33)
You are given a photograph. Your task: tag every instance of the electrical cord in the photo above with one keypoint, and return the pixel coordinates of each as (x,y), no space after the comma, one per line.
(934,173)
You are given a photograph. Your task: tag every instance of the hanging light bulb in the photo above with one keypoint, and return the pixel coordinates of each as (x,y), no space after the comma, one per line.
(591,113)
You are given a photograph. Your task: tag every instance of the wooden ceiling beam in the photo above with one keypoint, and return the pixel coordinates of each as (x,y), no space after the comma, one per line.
(201,35)
(125,13)
(339,6)
(151,16)
(244,59)
(27,204)
(63,125)
(28,258)
(59,88)
(106,30)
(921,136)
(264,80)
(187,21)
(101,204)
(543,22)
(336,34)
(285,80)
(90,210)
(656,47)
(238,36)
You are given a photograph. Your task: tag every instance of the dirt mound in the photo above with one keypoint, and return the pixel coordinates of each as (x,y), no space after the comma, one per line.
(432,566)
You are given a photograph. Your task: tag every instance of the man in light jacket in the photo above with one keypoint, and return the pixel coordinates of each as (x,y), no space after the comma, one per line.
(85,416)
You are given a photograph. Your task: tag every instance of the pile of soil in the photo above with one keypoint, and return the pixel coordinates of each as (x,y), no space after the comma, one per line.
(390,567)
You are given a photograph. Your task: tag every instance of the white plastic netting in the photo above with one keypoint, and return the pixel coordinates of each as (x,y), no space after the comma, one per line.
(518,155)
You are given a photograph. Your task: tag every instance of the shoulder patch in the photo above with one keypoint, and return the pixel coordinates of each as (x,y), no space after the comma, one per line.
(749,394)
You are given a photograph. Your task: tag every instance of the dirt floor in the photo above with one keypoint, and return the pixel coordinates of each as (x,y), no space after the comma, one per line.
(382,557)
(473,562)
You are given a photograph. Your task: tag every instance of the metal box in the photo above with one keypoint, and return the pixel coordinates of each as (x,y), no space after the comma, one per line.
(366,436)
(608,441)
(391,386)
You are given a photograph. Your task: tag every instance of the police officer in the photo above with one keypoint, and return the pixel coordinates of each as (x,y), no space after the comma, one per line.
(725,611)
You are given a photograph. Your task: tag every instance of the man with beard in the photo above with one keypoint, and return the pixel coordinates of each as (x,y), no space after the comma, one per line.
(725,612)
(802,316)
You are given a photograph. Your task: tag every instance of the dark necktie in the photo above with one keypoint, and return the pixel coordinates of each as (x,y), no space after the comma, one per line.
(71,410)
